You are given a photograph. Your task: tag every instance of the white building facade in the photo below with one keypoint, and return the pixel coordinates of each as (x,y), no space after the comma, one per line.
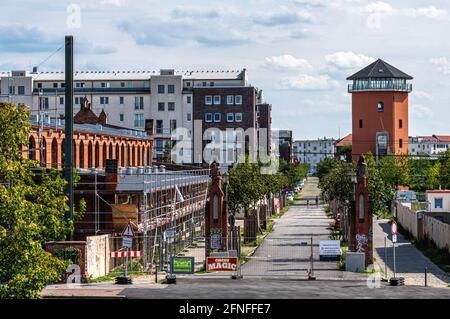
(129,98)
(428,145)
(313,151)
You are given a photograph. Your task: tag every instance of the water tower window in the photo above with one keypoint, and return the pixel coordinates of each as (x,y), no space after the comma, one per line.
(400,143)
(380,106)
(360,123)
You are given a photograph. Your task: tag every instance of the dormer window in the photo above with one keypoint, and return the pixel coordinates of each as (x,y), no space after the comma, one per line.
(380,106)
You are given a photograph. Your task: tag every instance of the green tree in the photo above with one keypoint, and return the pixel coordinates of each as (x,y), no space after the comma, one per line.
(337,183)
(445,169)
(325,166)
(381,191)
(294,173)
(418,169)
(433,176)
(32,210)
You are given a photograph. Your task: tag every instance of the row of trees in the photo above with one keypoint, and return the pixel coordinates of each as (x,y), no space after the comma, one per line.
(247,184)
(384,177)
(33,206)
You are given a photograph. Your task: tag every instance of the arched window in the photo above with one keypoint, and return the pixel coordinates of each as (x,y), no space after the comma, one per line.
(31,148)
(97,155)
(54,163)
(43,152)
(90,162)
(104,155)
(127,163)
(380,106)
(122,151)
(75,150)
(117,153)
(110,152)
(133,156)
(139,160)
(82,155)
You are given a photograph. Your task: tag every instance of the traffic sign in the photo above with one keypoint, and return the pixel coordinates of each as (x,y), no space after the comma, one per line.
(169,234)
(128,231)
(127,242)
(394,228)
(394,238)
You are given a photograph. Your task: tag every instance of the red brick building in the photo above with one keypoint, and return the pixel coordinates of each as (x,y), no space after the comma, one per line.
(94,142)
(379,110)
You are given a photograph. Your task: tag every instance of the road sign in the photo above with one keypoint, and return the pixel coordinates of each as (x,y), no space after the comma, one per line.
(394,228)
(128,231)
(394,238)
(330,250)
(127,242)
(169,234)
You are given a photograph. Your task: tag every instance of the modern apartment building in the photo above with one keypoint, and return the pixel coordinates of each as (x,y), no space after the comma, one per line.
(163,100)
(314,151)
(428,145)
(283,142)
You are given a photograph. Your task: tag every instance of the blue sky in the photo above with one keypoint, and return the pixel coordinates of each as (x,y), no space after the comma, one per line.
(298,51)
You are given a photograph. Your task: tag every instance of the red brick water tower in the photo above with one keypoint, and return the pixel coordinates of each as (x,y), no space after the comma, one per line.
(379,110)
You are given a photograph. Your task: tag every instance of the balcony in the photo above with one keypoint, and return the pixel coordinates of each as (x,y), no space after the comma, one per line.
(379,86)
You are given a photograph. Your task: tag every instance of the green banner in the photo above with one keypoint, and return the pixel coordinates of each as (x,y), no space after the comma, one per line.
(182,265)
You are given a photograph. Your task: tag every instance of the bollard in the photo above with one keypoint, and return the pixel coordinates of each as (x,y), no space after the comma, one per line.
(156,274)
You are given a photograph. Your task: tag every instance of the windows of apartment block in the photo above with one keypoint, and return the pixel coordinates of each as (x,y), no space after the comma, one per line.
(188,84)
(208,117)
(161,106)
(121,117)
(12,89)
(138,102)
(39,85)
(203,83)
(188,117)
(217,117)
(217,99)
(238,117)
(121,100)
(171,89)
(238,99)
(55,85)
(104,100)
(171,106)
(173,125)
(77,101)
(208,100)
(159,126)
(230,99)
(45,103)
(105,85)
(189,99)
(230,117)
(160,89)
(139,120)
(61,100)
(21,90)
(80,84)
(211,83)
(122,84)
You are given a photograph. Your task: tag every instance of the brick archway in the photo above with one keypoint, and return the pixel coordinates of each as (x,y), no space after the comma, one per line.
(54,153)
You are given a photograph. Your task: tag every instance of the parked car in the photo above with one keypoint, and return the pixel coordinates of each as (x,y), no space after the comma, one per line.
(290,197)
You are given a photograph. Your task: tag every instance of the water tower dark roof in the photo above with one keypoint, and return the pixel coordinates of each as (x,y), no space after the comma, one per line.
(380,69)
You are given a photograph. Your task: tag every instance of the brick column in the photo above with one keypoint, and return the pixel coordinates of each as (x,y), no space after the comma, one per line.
(59,152)
(100,155)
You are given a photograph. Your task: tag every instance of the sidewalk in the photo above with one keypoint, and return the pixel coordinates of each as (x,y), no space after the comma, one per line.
(410,263)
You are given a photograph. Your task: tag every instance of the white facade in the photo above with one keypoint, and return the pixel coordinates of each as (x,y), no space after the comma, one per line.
(438,201)
(428,145)
(314,151)
(127,97)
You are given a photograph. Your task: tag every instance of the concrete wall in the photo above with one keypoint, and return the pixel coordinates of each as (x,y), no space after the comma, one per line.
(98,255)
(407,218)
(437,231)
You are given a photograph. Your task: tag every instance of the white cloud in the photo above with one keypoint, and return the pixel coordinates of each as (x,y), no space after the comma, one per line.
(428,12)
(421,111)
(287,62)
(421,95)
(443,65)
(348,60)
(305,82)
(378,7)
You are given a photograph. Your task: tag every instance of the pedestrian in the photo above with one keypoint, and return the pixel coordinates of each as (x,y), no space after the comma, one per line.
(317,201)
(307,203)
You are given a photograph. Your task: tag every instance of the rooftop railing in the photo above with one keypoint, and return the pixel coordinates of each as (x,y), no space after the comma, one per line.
(379,86)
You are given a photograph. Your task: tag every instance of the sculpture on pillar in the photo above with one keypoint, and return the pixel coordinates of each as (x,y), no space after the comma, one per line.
(361,240)
(216,215)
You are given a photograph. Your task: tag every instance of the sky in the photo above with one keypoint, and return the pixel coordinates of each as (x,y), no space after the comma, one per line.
(300,52)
